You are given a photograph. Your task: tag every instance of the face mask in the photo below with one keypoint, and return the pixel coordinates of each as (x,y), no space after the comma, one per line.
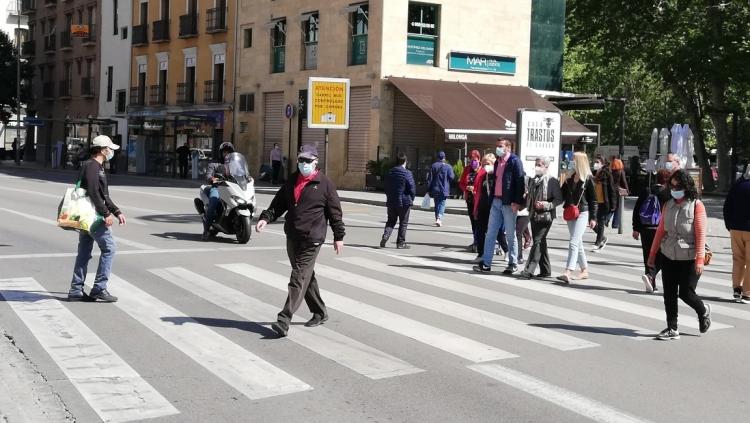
(678,194)
(500,151)
(110,155)
(475,164)
(539,170)
(571,166)
(597,166)
(489,168)
(306,168)
(669,166)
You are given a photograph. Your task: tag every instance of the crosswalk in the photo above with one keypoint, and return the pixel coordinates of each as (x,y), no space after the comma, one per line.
(514,316)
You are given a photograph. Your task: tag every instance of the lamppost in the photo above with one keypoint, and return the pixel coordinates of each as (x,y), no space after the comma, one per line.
(18,84)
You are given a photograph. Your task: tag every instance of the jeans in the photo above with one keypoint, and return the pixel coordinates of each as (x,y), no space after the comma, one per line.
(522,234)
(302,282)
(402,215)
(679,279)
(500,214)
(106,242)
(538,255)
(576,228)
(213,205)
(440,201)
(481,234)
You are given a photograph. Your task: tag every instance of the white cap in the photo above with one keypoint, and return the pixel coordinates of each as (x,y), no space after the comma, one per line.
(104,141)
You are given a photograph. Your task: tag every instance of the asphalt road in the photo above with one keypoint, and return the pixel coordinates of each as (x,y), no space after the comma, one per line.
(413,335)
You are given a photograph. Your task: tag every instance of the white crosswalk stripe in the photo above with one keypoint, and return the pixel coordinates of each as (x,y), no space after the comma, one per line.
(348,352)
(449,342)
(110,386)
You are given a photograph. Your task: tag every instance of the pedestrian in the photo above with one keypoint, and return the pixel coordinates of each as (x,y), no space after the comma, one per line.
(621,187)
(309,200)
(276,158)
(466,183)
(543,198)
(646,214)
(523,234)
(578,193)
(183,157)
(606,199)
(507,202)
(484,188)
(680,242)
(439,185)
(399,191)
(634,170)
(94,180)
(737,222)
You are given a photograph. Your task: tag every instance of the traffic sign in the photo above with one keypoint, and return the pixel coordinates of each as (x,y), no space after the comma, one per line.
(289,111)
(32,121)
(328,103)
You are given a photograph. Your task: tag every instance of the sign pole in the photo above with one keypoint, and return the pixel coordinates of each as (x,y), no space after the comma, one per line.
(18,86)
(289,157)
(325,165)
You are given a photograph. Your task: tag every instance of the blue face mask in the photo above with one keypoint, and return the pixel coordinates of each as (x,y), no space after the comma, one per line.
(110,155)
(678,194)
(500,151)
(306,168)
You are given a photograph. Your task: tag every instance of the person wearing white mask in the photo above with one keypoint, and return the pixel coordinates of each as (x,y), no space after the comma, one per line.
(484,187)
(310,201)
(737,222)
(543,198)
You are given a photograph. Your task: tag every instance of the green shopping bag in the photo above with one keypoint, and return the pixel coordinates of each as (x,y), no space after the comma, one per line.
(76,211)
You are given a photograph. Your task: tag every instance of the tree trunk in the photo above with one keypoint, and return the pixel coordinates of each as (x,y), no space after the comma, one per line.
(719,114)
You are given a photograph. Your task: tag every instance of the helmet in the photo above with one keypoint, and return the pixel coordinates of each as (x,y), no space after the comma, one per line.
(226,146)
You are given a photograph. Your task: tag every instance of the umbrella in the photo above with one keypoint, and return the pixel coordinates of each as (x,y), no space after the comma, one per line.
(651,162)
(663,146)
(689,139)
(677,143)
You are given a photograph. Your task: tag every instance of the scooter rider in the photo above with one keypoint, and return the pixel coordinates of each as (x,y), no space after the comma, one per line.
(214,174)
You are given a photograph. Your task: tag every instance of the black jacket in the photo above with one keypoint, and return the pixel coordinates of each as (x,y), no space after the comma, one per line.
(399,187)
(306,220)
(572,193)
(604,177)
(737,206)
(94,181)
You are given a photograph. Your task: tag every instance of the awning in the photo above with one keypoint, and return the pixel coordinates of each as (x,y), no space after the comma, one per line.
(479,111)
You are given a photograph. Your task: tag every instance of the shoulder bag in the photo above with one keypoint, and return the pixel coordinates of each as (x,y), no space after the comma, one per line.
(571,212)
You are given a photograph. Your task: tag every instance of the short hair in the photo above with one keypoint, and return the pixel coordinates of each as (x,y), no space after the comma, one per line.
(489,158)
(401,158)
(544,159)
(507,141)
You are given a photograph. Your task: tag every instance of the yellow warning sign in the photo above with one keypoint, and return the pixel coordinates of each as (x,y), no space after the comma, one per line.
(328,103)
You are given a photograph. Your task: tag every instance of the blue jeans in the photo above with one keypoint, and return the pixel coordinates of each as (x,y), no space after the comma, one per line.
(501,216)
(213,205)
(106,242)
(440,201)
(577,228)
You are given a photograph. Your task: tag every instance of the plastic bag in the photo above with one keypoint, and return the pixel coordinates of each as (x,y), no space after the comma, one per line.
(426,201)
(76,211)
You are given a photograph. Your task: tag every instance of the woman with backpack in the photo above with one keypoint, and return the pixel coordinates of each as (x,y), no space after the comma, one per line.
(579,210)
(680,243)
(606,199)
(646,214)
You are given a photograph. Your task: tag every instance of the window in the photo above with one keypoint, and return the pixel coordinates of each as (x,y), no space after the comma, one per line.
(110,77)
(243,127)
(311,31)
(423,30)
(358,45)
(114,16)
(247,36)
(124,32)
(121,98)
(278,46)
(247,102)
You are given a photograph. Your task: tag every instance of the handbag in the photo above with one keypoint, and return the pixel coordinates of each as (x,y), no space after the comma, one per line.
(76,211)
(571,212)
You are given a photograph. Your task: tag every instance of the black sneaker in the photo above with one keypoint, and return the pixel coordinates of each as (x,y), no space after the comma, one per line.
(104,296)
(205,235)
(544,275)
(704,322)
(526,275)
(316,320)
(482,268)
(668,335)
(510,270)
(383,241)
(280,328)
(603,243)
(83,297)
(403,246)
(737,294)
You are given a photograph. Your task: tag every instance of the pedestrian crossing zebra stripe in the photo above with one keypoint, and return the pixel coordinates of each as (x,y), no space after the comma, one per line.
(244,371)
(496,322)
(112,388)
(343,350)
(600,324)
(443,340)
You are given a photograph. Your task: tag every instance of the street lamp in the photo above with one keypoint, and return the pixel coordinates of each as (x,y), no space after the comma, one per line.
(18,83)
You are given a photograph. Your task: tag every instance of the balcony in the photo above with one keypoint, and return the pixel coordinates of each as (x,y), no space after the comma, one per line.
(189,25)
(28,48)
(185,93)
(120,105)
(50,3)
(158,95)
(87,87)
(138,96)
(48,90)
(50,44)
(28,6)
(214,92)
(90,40)
(64,89)
(216,20)
(66,43)
(161,31)
(140,35)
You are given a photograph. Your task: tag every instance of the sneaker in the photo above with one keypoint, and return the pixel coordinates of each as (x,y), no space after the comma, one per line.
(82,297)
(704,322)
(103,295)
(383,241)
(521,261)
(403,246)
(205,236)
(280,328)
(668,335)
(438,223)
(478,260)
(745,299)
(737,294)
(510,269)
(544,275)
(648,283)
(603,243)
(526,275)
(482,268)
(316,320)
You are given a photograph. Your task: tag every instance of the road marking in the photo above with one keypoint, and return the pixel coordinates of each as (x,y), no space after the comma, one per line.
(142,252)
(449,342)
(345,351)
(479,317)
(110,386)
(244,371)
(557,395)
(565,314)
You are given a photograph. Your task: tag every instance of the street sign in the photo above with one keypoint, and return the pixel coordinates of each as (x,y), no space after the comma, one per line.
(328,103)
(539,134)
(79,31)
(32,121)
(289,111)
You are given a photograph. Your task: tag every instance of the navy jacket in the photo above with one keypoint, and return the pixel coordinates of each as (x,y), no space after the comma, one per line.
(514,181)
(399,187)
(737,206)
(439,179)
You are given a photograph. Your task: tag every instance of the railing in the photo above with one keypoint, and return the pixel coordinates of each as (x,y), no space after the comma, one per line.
(91,38)
(28,48)
(185,93)
(65,41)
(87,86)
(48,90)
(50,43)
(216,20)
(188,25)
(158,95)
(28,6)
(214,92)
(137,96)
(64,88)
(140,34)
(161,30)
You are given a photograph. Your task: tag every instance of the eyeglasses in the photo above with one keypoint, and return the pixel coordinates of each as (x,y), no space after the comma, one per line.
(304,160)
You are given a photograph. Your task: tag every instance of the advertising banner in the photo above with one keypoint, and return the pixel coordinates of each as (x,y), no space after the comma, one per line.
(470,62)
(328,103)
(539,133)
(79,31)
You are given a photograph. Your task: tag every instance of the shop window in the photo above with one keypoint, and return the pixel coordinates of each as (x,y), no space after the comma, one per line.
(247,102)
(247,36)
(278,46)
(311,31)
(422,34)
(358,46)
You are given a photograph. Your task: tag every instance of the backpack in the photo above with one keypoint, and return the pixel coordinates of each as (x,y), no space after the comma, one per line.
(650,211)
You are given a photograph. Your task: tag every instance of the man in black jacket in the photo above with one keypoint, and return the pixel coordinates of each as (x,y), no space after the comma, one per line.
(309,199)
(399,192)
(94,181)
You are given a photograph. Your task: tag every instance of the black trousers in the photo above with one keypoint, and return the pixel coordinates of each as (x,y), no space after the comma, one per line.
(183,169)
(470,209)
(481,230)
(302,282)
(402,215)
(680,280)
(538,255)
(275,170)
(602,214)
(647,240)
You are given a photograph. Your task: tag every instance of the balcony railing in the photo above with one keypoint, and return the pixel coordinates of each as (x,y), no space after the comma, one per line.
(161,31)
(87,86)
(216,20)
(140,35)
(64,88)
(158,95)
(214,92)
(28,6)
(50,3)
(66,42)
(50,43)
(28,48)
(188,25)
(138,96)
(185,93)
(90,39)
(48,90)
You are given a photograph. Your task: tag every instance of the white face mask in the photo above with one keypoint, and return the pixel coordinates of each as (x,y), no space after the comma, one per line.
(597,166)
(500,151)
(306,168)
(669,166)
(539,171)
(489,168)
(111,154)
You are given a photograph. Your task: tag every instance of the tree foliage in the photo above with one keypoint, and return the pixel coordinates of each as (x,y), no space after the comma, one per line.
(8,58)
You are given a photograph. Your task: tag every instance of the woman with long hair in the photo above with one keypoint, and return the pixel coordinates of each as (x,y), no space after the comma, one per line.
(621,187)
(466,183)
(578,191)
(680,244)
(484,188)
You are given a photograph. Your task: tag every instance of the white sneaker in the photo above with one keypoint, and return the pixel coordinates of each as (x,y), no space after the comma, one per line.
(647,283)
(438,223)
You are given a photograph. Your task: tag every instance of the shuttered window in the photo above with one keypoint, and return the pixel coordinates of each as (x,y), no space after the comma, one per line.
(359,129)
(273,122)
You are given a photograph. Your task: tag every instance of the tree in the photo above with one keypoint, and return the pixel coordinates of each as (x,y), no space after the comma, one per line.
(8,58)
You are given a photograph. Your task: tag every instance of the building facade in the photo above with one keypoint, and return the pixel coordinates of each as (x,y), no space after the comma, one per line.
(181,81)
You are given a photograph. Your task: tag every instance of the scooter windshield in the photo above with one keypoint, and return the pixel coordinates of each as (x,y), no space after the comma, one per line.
(237,168)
